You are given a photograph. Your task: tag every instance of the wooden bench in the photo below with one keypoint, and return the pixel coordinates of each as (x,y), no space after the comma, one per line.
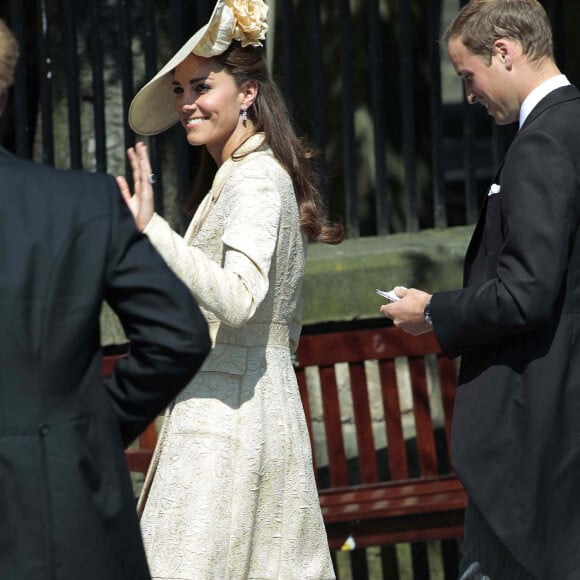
(406,492)
(401,490)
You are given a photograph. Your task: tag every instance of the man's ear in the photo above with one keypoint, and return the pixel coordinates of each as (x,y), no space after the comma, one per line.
(3,101)
(504,50)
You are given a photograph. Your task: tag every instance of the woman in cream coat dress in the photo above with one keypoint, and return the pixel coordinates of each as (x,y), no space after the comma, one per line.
(231,491)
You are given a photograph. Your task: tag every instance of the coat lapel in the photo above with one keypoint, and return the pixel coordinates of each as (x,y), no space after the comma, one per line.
(561,95)
(477,237)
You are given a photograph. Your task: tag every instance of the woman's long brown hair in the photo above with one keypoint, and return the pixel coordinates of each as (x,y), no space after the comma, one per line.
(270,116)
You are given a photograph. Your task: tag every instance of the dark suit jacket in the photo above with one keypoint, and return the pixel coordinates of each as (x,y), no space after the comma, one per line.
(516,425)
(68,242)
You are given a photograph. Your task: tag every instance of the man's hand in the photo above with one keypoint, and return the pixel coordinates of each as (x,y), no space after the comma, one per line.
(408,313)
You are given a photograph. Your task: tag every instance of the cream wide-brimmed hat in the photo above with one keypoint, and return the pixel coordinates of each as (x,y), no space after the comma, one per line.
(152,110)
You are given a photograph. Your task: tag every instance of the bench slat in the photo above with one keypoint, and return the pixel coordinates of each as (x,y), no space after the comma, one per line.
(333,427)
(423,423)
(357,345)
(397,530)
(395,442)
(367,457)
(419,489)
(417,511)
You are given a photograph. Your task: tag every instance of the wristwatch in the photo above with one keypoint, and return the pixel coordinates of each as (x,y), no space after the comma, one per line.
(427,313)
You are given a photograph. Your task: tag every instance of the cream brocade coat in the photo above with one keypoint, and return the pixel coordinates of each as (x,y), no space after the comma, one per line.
(232,490)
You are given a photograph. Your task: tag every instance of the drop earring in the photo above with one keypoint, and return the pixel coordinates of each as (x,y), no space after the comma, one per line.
(244,114)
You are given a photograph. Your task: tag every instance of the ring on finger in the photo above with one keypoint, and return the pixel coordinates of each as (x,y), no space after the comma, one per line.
(152,178)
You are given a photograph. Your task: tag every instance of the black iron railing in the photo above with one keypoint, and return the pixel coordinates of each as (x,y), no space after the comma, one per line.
(363,79)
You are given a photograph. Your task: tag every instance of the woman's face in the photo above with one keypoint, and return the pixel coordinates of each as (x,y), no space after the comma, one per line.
(208,103)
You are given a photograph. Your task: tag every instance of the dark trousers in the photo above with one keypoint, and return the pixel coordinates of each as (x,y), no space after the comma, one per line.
(484,555)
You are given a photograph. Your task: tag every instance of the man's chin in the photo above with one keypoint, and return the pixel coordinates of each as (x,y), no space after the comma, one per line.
(502,119)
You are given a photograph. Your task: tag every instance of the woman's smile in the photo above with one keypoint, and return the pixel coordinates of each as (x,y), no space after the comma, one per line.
(193,121)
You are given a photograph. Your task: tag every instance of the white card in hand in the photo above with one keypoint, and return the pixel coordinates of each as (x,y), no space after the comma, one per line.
(390,295)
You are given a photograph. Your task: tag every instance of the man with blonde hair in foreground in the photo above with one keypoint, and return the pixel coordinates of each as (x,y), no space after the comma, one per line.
(68,242)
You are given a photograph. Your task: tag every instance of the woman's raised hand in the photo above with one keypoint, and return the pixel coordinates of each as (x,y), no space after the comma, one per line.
(141,202)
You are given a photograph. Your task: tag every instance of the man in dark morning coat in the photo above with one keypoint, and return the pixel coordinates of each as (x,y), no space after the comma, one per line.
(516,322)
(68,242)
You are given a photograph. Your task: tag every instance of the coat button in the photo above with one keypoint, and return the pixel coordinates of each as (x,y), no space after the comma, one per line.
(43,429)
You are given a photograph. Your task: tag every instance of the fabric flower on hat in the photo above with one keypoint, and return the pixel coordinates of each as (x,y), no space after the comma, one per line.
(250,21)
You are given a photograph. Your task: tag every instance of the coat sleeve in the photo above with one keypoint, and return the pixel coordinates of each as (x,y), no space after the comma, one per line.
(538,189)
(234,289)
(168,334)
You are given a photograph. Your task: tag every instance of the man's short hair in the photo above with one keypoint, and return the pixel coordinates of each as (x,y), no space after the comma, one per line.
(481,22)
(8,56)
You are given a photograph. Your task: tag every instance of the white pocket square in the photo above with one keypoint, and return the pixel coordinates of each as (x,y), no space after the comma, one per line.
(494,189)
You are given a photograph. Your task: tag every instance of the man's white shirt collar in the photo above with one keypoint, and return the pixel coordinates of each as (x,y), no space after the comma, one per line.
(539,93)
